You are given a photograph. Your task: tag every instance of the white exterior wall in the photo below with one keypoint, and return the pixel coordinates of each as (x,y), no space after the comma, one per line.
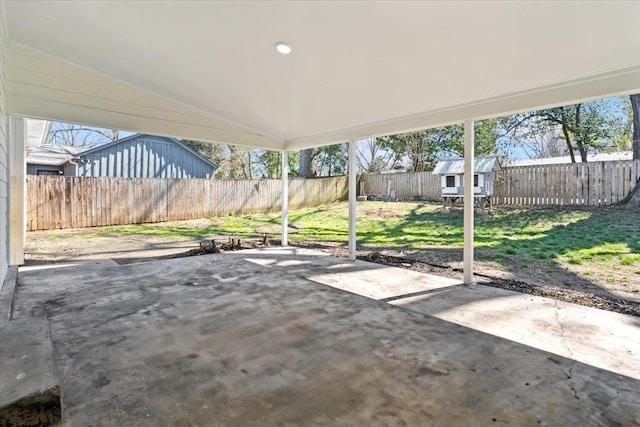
(4,150)
(17,185)
(479,189)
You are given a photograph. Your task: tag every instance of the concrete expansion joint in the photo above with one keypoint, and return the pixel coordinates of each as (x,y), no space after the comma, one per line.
(569,373)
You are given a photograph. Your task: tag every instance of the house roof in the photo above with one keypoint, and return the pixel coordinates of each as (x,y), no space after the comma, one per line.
(484,164)
(56,155)
(358,69)
(52,155)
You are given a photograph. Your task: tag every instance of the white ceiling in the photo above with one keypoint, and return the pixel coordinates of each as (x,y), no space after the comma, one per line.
(357,68)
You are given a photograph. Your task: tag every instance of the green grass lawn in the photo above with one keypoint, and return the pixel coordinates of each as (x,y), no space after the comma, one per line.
(520,237)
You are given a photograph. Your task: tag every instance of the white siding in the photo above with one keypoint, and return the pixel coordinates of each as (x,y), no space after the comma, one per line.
(479,189)
(4,148)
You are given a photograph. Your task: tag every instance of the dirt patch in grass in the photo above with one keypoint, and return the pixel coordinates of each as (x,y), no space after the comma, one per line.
(380,212)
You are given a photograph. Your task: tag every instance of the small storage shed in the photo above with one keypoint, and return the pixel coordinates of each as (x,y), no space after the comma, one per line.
(451,172)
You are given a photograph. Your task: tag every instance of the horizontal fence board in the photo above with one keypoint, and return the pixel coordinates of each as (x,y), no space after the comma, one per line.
(78,202)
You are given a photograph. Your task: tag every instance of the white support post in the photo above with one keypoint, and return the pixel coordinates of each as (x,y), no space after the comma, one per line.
(285,198)
(352,200)
(17,184)
(468,202)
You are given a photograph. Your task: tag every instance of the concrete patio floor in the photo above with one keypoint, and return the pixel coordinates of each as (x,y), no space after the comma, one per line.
(281,337)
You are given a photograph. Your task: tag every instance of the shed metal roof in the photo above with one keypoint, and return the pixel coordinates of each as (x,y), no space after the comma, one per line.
(484,164)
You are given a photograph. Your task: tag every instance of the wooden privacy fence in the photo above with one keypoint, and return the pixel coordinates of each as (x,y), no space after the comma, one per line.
(406,185)
(76,202)
(577,184)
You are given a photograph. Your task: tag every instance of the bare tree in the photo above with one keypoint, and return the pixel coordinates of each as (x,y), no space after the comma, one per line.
(546,142)
(372,158)
(75,135)
(240,163)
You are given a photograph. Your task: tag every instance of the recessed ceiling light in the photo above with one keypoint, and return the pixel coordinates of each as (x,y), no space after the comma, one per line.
(283,48)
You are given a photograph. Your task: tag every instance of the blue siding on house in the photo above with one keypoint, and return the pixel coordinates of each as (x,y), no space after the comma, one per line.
(144,156)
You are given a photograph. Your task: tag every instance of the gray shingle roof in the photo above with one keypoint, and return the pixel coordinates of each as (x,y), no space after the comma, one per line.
(53,155)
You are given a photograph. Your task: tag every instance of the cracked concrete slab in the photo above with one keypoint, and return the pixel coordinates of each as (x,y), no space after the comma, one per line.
(599,338)
(257,338)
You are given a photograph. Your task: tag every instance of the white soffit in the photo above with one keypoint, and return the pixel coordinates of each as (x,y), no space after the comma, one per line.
(357,68)
(37,131)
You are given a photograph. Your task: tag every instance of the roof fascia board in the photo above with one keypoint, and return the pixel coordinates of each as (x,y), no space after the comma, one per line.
(620,82)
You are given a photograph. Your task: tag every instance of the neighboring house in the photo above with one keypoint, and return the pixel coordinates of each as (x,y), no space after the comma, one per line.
(52,160)
(136,156)
(452,178)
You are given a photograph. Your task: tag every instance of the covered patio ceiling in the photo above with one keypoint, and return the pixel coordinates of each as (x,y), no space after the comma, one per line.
(210,71)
